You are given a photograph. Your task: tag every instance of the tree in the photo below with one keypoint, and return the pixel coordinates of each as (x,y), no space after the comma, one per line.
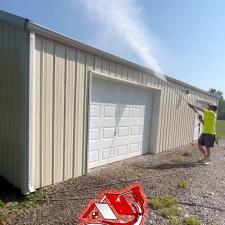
(221,103)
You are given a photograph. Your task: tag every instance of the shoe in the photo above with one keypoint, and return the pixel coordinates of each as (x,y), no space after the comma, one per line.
(205,160)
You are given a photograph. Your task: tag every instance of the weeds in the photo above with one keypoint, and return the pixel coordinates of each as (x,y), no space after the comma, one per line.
(192,220)
(31,201)
(184,184)
(179,160)
(2,204)
(167,206)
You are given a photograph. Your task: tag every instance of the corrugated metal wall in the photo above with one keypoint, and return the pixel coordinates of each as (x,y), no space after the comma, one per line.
(61,94)
(13,99)
(59,112)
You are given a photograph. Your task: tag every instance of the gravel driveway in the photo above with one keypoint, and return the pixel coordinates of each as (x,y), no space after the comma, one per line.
(159,174)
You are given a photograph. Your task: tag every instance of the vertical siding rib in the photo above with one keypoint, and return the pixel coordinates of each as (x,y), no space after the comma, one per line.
(38,59)
(105,66)
(89,67)
(47,101)
(98,64)
(69,112)
(118,71)
(79,110)
(112,69)
(124,72)
(59,83)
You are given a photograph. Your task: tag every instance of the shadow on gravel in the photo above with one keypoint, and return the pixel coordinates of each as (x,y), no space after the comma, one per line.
(9,193)
(166,166)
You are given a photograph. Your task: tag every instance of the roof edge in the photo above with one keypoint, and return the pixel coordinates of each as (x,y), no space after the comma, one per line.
(18,21)
(71,41)
(41,30)
(171,79)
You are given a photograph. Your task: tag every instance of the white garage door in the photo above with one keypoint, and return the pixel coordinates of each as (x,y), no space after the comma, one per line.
(198,125)
(120,120)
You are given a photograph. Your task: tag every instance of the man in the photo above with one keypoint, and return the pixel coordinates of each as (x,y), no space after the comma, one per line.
(207,138)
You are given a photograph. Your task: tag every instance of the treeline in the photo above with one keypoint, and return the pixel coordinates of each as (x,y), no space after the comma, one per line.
(221,103)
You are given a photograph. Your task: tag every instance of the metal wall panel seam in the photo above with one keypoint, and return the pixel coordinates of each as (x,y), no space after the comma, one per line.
(64,122)
(176,132)
(88,119)
(84,140)
(31,92)
(168,117)
(183,125)
(174,115)
(41,111)
(162,133)
(38,50)
(53,114)
(74,117)
(171,119)
(118,70)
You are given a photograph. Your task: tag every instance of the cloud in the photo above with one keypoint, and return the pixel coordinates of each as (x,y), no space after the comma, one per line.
(121,19)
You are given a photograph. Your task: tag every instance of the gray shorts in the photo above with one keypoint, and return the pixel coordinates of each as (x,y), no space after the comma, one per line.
(207,140)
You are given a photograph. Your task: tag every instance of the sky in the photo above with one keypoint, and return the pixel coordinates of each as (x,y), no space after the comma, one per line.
(182,39)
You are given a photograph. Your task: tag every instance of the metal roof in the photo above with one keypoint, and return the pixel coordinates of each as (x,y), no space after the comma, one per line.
(32,26)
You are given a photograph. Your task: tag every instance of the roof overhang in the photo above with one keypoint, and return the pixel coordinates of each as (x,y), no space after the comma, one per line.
(29,25)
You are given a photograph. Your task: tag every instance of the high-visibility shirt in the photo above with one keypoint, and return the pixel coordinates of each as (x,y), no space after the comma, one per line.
(209,126)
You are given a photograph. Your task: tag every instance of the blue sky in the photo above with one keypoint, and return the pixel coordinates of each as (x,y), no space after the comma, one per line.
(186,39)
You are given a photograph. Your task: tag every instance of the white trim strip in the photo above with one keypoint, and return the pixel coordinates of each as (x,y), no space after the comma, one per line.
(31,113)
(117,79)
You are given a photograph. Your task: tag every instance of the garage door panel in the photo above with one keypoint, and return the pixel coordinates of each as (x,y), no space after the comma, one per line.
(108,153)
(135,130)
(110,111)
(123,131)
(124,111)
(108,132)
(134,147)
(122,150)
(94,134)
(118,128)
(94,156)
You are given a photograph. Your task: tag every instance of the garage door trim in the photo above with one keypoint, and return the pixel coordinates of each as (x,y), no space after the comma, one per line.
(155,113)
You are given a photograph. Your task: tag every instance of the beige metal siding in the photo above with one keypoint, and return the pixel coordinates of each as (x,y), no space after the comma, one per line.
(13,103)
(61,108)
(59,111)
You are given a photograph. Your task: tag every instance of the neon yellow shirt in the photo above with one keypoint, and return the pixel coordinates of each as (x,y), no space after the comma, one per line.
(209,126)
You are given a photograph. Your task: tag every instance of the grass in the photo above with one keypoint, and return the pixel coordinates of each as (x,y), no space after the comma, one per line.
(191,220)
(179,159)
(167,206)
(31,201)
(184,184)
(220,128)
(2,204)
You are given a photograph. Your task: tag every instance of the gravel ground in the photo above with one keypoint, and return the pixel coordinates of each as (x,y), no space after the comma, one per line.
(159,174)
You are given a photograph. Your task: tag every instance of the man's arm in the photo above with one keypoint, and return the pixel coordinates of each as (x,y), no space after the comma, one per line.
(195,107)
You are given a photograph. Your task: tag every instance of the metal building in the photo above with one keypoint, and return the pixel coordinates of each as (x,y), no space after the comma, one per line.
(66,107)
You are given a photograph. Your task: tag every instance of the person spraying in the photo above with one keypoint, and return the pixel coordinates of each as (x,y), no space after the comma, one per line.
(207,138)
